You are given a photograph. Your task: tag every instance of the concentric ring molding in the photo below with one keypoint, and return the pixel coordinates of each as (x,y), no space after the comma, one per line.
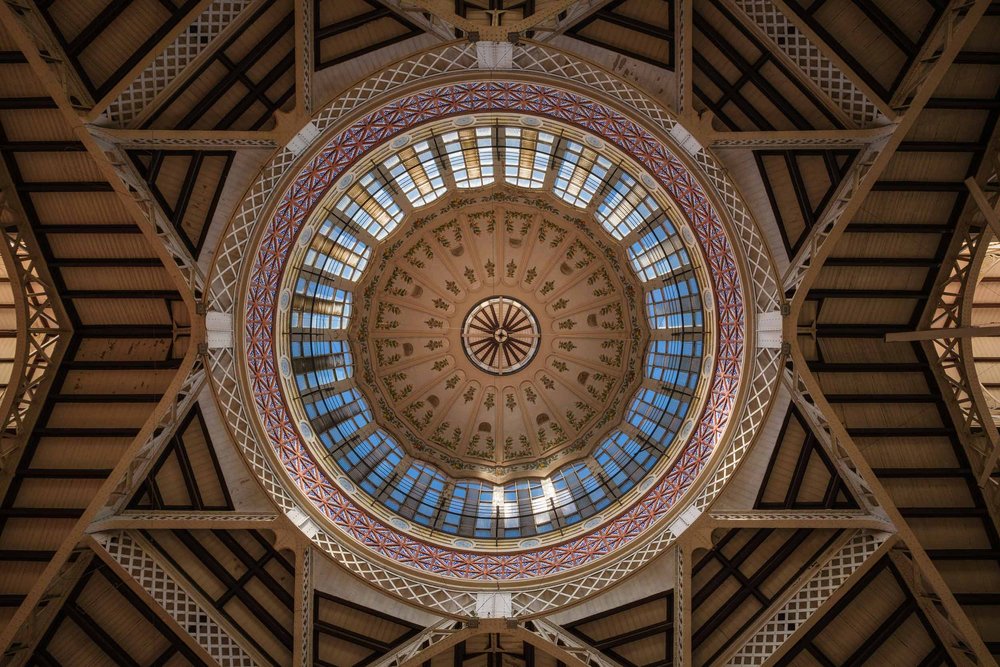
(304,194)
(548,586)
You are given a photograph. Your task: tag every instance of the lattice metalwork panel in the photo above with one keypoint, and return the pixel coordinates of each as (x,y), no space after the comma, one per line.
(172,597)
(767,369)
(808,58)
(33,359)
(804,603)
(305,610)
(190,44)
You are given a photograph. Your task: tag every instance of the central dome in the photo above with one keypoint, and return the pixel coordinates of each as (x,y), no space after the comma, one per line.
(312,411)
(499,333)
(396,434)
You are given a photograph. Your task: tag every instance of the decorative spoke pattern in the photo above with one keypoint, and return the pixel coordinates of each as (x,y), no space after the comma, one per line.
(500,335)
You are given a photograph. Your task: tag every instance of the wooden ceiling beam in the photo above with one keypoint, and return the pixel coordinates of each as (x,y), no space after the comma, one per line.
(635,25)
(29,103)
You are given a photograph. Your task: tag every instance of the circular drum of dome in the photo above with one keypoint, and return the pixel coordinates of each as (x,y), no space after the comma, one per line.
(276,431)
(364,200)
(435,437)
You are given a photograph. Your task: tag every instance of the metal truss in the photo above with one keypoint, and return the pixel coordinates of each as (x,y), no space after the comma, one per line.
(34,38)
(800,139)
(431,641)
(543,635)
(875,500)
(813,589)
(142,459)
(186,139)
(305,53)
(168,236)
(960,18)
(865,533)
(166,588)
(440,18)
(962,642)
(192,39)
(684,58)
(35,300)
(683,613)
(157,430)
(42,330)
(554,639)
(949,324)
(303,610)
(574,14)
(854,104)
(25,636)
(167,520)
(428,22)
(820,520)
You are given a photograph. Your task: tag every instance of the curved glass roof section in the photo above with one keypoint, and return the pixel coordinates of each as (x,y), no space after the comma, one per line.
(359,214)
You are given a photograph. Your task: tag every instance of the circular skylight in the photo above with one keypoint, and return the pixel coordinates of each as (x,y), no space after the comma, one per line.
(527,318)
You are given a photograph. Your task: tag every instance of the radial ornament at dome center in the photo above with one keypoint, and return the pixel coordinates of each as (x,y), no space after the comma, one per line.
(500,335)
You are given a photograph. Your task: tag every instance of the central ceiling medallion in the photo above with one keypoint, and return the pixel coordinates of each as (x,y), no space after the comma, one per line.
(500,335)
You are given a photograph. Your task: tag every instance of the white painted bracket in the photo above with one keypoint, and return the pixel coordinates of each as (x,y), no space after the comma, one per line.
(218,330)
(769,330)
(495,55)
(684,520)
(304,139)
(685,139)
(303,521)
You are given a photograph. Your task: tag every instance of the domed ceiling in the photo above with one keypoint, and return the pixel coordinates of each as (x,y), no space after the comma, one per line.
(495,331)
(477,343)
(501,332)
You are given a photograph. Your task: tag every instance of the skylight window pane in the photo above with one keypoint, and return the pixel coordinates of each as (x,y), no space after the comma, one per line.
(470,154)
(659,253)
(657,415)
(625,461)
(369,205)
(330,308)
(319,364)
(527,156)
(580,174)
(416,173)
(340,415)
(626,207)
(336,252)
